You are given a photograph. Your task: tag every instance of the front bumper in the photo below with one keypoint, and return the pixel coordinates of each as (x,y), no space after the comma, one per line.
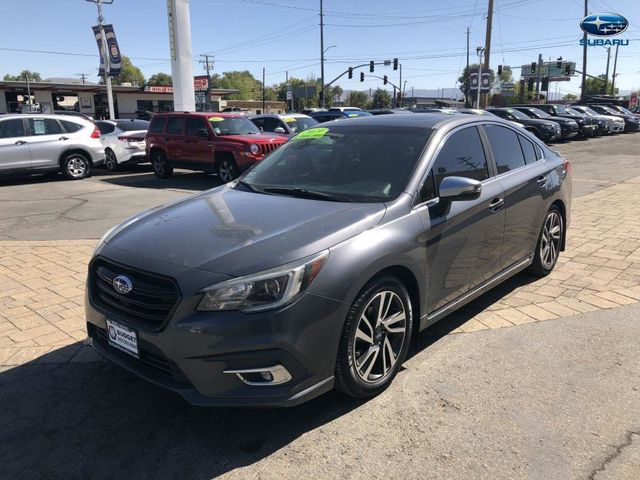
(588,130)
(190,354)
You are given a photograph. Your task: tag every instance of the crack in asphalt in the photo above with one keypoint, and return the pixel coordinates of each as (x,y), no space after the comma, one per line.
(628,440)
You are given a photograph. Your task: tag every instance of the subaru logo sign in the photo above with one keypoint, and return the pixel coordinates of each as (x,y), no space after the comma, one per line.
(122,284)
(604,24)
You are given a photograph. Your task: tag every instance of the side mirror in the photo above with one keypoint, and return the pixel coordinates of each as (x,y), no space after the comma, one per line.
(203,132)
(278,130)
(459,188)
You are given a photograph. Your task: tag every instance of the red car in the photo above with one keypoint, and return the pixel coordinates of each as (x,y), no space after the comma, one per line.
(221,143)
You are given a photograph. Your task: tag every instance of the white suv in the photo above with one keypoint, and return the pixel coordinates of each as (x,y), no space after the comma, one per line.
(40,143)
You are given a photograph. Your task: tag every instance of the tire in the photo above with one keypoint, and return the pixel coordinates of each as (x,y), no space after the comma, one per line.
(360,369)
(160,164)
(76,166)
(226,169)
(549,242)
(110,161)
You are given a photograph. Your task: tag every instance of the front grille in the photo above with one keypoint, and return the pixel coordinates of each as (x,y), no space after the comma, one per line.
(148,355)
(149,304)
(267,148)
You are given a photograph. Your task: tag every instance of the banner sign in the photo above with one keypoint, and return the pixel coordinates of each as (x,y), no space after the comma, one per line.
(486,81)
(201,83)
(115,59)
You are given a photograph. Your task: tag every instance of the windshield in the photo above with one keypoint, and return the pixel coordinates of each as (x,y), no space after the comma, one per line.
(300,124)
(518,114)
(233,125)
(609,110)
(586,111)
(355,113)
(539,113)
(572,112)
(354,164)
(621,109)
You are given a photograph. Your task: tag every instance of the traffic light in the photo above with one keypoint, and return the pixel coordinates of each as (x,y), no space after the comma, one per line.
(395,63)
(530,84)
(545,84)
(371,67)
(385,79)
(559,63)
(362,76)
(567,69)
(499,69)
(533,67)
(350,73)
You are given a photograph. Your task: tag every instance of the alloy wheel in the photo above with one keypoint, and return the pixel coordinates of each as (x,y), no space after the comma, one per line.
(379,337)
(551,238)
(226,171)
(76,166)
(110,160)
(159,164)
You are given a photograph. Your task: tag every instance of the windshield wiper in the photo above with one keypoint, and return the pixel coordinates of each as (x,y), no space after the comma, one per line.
(304,193)
(248,186)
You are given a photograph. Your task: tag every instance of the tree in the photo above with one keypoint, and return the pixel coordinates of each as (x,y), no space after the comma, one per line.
(129,73)
(381,99)
(570,96)
(311,90)
(248,87)
(160,78)
(22,76)
(595,86)
(357,99)
(336,94)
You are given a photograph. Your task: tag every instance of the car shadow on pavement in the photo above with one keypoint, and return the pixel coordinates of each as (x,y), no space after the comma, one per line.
(13,180)
(180,180)
(96,420)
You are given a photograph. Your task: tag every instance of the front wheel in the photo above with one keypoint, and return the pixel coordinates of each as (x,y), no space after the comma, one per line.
(375,338)
(76,166)
(110,161)
(549,243)
(160,164)
(227,169)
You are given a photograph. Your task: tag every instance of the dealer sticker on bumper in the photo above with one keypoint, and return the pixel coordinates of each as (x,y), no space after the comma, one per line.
(122,337)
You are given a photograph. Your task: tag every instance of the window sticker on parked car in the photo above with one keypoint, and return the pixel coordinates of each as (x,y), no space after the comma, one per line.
(311,133)
(38,127)
(351,115)
(216,119)
(289,119)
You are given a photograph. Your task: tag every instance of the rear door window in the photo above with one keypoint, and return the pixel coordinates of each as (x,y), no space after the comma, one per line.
(175,126)
(505,147)
(462,155)
(44,126)
(11,128)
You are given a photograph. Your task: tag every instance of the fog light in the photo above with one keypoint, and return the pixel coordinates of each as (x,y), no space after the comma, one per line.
(258,377)
(266,376)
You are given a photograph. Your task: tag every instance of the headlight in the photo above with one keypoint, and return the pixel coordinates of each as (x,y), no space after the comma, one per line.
(254,149)
(265,290)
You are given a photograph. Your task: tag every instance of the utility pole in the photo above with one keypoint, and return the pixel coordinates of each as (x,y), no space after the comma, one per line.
(400,85)
(487,45)
(26,77)
(322,103)
(83,76)
(466,80)
(480,52)
(264,103)
(606,75)
(615,65)
(538,77)
(208,67)
(583,87)
(105,55)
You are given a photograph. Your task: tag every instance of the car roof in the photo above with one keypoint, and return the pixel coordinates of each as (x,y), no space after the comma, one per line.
(46,115)
(281,115)
(202,114)
(427,120)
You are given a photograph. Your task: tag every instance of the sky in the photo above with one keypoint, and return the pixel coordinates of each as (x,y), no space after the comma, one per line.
(55,39)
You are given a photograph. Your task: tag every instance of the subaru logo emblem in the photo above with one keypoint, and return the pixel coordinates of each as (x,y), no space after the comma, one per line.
(122,284)
(604,24)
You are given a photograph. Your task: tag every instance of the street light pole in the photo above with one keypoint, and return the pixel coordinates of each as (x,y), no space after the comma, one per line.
(105,55)
(322,103)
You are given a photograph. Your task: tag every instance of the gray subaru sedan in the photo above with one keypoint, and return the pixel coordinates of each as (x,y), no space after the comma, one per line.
(316,268)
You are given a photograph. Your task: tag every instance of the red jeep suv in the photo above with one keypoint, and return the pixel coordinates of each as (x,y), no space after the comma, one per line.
(222,143)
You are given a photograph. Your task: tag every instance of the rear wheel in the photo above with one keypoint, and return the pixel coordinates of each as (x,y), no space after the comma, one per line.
(110,160)
(76,166)
(375,338)
(227,169)
(160,164)
(549,243)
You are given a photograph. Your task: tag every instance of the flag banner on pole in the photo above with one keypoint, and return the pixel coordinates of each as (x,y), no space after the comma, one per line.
(115,59)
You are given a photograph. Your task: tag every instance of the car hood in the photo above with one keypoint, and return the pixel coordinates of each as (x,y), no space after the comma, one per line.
(561,120)
(537,121)
(254,138)
(235,233)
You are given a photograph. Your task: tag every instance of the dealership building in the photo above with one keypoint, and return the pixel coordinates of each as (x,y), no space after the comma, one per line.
(129,101)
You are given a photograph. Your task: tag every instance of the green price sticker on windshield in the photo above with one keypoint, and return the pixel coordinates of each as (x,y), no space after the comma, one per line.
(289,119)
(351,115)
(311,133)
(216,119)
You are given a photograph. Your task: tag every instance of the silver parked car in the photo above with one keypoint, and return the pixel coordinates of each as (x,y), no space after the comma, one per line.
(316,267)
(49,143)
(286,125)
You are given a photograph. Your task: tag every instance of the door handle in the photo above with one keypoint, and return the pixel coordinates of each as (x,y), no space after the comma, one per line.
(496,204)
(20,142)
(541,180)
(63,138)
